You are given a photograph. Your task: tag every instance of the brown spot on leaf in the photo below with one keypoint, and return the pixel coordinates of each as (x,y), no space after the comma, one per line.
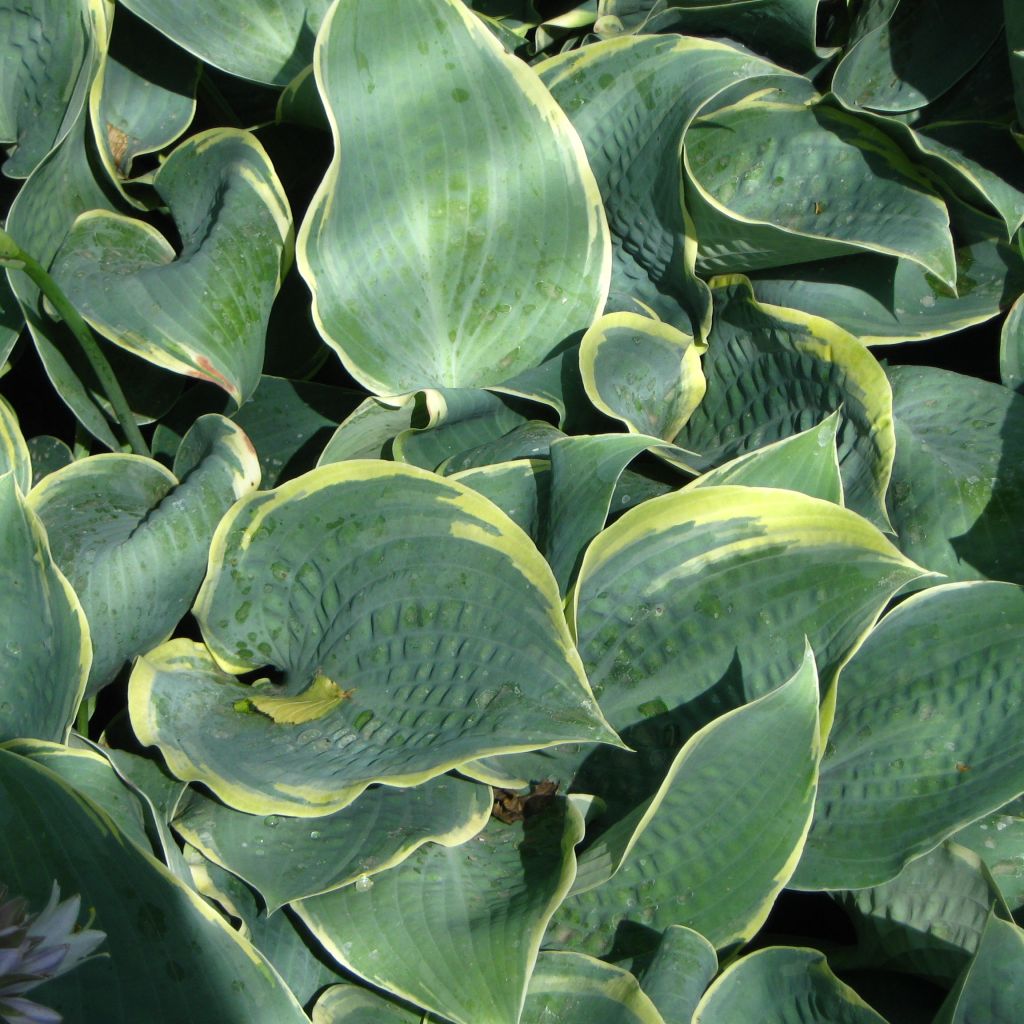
(511,807)
(117,142)
(961,767)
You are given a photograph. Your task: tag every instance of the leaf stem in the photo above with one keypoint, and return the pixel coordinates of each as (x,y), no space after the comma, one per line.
(12,255)
(85,710)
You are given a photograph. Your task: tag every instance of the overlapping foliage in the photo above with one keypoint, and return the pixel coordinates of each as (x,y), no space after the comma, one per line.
(488,526)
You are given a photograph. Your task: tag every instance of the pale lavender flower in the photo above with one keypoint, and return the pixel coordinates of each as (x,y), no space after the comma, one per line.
(35,948)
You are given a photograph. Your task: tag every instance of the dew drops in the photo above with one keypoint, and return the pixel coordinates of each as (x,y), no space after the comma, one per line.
(314,835)
(271,821)
(364,883)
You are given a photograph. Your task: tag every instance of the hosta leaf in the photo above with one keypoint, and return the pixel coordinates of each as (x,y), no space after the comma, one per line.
(202,312)
(486,902)
(982,160)
(782,985)
(576,989)
(990,988)
(133,538)
(567,987)
(924,739)
(48,454)
(165,948)
(998,839)
(676,974)
(928,920)
(286,944)
(643,372)
(722,835)
(46,652)
(584,472)
(1011,348)
(159,793)
(50,52)
(530,440)
(278,34)
(145,98)
(14,453)
(288,422)
(424,428)
(91,775)
(883,301)
(632,100)
(287,859)
(807,462)
(352,1004)
(12,320)
(300,103)
(63,186)
(280,937)
(782,27)
(906,60)
(737,576)
(520,489)
(774,372)
(369,431)
(957,491)
(395,585)
(776,183)
(502,248)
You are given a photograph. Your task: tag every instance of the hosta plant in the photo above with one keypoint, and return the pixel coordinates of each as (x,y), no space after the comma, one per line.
(510,511)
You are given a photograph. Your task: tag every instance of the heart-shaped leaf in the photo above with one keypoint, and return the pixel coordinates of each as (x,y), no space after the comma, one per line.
(732,579)
(501,251)
(394,584)
(133,538)
(202,312)
(640,371)
(146,97)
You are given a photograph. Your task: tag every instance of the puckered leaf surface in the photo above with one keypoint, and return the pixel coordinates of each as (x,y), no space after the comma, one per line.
(924,738)
(395,586)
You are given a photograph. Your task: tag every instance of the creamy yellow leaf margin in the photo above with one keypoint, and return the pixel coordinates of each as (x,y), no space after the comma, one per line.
(692,384)
(537,97)
(785,517)
(14,454)
(872,140)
